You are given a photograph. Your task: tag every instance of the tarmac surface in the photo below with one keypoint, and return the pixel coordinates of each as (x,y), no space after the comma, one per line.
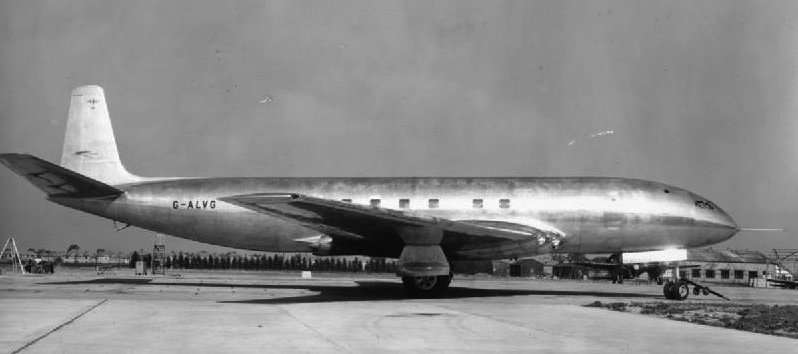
(78,312)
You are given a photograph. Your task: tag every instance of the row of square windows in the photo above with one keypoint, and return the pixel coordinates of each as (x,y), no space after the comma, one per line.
(435,203)
(725,274)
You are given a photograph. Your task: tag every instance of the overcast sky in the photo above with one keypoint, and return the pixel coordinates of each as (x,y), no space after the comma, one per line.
(701,95)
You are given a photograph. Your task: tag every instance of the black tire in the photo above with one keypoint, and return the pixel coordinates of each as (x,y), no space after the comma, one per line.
(421,286)
(444,281)
(682,291)
(666,290)
(678,291)
(696,291)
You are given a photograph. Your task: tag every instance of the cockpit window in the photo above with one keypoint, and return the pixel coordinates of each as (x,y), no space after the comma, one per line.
(703,204)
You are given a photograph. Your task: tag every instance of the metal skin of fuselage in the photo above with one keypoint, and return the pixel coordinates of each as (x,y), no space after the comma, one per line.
(424,222)
(596,214)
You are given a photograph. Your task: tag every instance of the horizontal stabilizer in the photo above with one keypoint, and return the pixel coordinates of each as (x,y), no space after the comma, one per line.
(55,180)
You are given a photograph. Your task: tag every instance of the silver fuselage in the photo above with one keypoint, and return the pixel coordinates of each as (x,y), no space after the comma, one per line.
(597,215)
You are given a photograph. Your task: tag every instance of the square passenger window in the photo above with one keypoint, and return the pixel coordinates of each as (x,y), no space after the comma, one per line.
(477,203)
(434,203)
(404,203)
(375,202)
(346,200)
(504,203)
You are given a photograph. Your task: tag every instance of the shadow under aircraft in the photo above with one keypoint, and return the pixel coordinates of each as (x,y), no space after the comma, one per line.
(363,291)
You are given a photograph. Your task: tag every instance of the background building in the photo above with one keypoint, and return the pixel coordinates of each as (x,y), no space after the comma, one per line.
(728,266)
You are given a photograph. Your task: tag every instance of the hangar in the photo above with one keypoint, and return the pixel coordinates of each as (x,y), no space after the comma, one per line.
(741,267)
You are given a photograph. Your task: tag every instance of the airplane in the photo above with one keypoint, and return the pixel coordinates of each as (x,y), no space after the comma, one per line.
(427,223)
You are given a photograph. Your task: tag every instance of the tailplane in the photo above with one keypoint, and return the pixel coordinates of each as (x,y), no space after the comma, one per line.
(89,144)
(56,181)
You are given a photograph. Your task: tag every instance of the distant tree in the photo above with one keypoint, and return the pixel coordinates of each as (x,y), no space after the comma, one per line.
(73,247)
(100,251)
(168,263)
(31,250)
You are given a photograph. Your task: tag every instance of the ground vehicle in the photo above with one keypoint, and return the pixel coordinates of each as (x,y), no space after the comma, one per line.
(38,266)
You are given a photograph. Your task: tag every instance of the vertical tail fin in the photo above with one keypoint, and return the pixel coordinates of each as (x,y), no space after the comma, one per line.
(89,145)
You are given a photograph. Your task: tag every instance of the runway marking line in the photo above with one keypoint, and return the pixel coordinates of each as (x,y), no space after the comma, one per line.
(313,329)
(59,326)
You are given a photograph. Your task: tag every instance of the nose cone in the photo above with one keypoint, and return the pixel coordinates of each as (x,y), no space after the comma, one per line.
(726,220)
(729,223)
(724,225)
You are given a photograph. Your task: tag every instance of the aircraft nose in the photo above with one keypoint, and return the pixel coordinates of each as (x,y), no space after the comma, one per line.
(727,225)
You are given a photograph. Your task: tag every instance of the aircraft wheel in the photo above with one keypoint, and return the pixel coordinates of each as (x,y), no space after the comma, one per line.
(424,285)
(676,291)
(696,291)
(681,291)
(705,292)
(444,281)
(666,289)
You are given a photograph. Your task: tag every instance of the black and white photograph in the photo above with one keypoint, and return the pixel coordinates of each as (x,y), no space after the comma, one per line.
(377,176)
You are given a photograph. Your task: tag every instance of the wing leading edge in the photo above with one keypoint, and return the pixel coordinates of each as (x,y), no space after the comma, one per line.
(346,222)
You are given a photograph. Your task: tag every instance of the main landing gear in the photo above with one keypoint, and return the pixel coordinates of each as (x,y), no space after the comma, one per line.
(426,285)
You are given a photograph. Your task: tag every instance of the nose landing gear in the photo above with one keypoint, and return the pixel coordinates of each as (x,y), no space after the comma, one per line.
(676,290)
(680,290)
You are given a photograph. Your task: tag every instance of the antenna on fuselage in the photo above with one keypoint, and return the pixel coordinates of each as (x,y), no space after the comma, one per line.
(761,230)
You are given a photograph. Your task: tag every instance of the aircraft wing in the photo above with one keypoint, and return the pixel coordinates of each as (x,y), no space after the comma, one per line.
(463,239)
